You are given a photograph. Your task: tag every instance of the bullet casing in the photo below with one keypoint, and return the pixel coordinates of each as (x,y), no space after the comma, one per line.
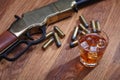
(98,26)
(93,26)
(57,40)
(59,32)
(83,28)
(83,21)
(74,43)
(48,43)
(83,33)
(49,34)
(75,33)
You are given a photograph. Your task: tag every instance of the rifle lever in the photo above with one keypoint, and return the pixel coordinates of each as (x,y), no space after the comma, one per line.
(27,42)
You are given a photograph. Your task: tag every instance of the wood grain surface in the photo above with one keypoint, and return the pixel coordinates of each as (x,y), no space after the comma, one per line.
(63,63)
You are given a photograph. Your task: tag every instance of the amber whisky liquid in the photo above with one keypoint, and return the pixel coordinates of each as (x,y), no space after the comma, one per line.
(92,47)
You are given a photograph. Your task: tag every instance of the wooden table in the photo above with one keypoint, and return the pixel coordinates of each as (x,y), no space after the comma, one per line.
(63,63)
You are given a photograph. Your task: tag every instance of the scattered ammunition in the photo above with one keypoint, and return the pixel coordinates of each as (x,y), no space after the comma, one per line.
(57,40)
(83,21)
(98,26)
(59,32)
(83,28)
(49,34)
(74,36)
(93,26)
(74,44)
(48,43)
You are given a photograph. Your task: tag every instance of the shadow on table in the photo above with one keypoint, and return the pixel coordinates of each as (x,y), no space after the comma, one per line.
(73,70)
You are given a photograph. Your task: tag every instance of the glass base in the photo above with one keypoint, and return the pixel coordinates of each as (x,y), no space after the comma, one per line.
(88,64)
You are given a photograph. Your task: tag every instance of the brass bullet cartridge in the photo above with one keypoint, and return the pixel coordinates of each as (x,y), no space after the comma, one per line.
(98,26)
(75,33)
(93,26)
(57,40)
(83,33)
(74,44)
(83,28)
(48,43)
(83,21)
(49,34)
(59,32)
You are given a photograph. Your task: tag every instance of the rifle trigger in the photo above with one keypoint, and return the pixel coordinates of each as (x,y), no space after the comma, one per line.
(29,36)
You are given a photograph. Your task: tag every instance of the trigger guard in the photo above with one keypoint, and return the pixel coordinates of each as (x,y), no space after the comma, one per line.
(43,31)
(29,36)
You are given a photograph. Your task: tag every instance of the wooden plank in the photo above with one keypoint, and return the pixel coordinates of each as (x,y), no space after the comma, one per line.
(63,63)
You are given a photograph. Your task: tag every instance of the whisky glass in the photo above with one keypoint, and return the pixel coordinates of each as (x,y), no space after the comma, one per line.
(92,47)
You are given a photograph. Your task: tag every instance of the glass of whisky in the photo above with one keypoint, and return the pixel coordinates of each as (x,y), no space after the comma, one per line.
(92,47)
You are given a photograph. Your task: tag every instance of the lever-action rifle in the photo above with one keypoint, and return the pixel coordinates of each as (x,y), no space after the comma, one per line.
(38,20)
